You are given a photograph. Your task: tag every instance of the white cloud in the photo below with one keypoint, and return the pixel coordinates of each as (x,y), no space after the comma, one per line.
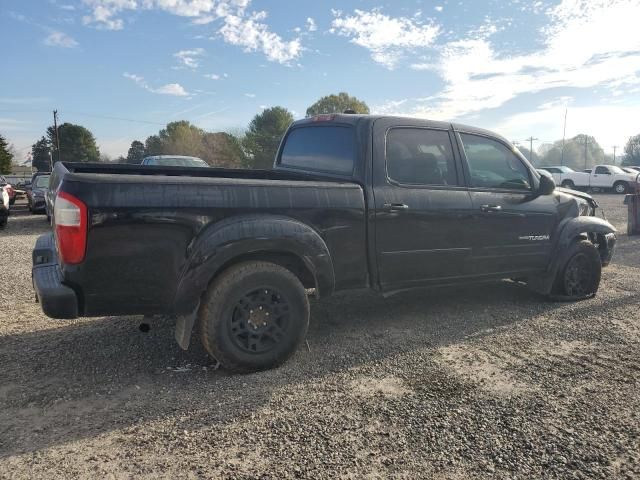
(438,8)
(253,34)
(575,54)
(190,58)
(60,39)
(212,76)
(67,7)
(311,25)
(247,30)
(612,124)
(250,95)
(174,89)
(387,38)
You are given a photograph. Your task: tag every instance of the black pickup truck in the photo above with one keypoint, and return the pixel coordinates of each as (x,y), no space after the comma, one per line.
(353,201)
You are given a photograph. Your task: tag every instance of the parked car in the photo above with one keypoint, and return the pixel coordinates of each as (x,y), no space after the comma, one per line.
(631,170)
(11,191)
(4,207)
(353,201)
(601,177)
(36,196)
(174,161)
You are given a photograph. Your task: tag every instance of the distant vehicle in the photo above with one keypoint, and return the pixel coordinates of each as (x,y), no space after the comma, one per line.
(634,167)
(36,196)
(629,170)
(4,207)
(4,183)
(600,177)
(174,161)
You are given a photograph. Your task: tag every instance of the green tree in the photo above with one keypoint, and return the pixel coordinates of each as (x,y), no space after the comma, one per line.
(6,156)
(77,144)
(136,152)
(632,151)
(337,104)
(40,152)
(573,153)
(264,134)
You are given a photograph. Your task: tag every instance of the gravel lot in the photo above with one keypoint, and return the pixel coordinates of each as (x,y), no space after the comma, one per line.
(478,382)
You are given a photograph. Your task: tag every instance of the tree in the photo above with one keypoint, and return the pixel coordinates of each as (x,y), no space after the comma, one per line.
(6,156)
(264,134)
(77,144)
(136,152)
(632,151)
(40,155)
(573,153)
(222,150)
(337,104)
(533,157)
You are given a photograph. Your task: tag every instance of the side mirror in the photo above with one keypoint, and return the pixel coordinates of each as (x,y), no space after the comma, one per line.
(547,185)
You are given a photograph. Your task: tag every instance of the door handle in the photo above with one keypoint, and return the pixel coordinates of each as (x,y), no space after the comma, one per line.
(395,207)
(491,208)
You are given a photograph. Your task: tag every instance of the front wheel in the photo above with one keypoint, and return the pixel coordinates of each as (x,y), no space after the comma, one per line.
(254,316)
(620,187)
(579,277)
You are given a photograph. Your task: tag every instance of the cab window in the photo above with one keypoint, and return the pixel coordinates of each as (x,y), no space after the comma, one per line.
(493,165)
(420,156)
(602,170)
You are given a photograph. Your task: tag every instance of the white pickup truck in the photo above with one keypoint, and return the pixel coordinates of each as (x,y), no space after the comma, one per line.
(600,177)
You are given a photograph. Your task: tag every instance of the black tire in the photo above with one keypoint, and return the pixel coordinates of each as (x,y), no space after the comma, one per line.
(620,187)
(254,316)
(568,184)
(579,276)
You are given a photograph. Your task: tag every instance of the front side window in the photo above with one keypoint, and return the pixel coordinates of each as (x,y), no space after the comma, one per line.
(419,156)
(602,170)
(493,165)
(328,149)
(42,181)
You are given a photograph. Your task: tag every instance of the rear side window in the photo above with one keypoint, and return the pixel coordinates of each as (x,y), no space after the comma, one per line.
(602,170)
(419,156)
(325,149)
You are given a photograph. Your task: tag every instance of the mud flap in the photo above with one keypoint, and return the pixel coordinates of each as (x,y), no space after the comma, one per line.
(184,328)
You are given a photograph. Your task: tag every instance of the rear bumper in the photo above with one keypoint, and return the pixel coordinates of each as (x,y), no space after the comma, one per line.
(57,300)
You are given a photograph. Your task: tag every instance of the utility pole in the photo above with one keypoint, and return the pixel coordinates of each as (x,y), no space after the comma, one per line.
(55,125)
(531,139)
(615,147)
(586,142)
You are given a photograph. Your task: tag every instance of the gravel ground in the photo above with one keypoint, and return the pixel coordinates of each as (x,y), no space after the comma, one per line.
(481,382)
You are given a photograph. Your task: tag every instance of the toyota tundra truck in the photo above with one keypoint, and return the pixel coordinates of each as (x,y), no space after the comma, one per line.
(352,202)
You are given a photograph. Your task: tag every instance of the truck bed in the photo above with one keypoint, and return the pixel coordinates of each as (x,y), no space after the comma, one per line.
(149,225)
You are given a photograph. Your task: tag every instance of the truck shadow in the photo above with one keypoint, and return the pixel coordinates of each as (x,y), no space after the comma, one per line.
(95,376)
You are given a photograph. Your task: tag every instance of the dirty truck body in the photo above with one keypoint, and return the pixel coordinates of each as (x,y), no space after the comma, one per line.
(352,202)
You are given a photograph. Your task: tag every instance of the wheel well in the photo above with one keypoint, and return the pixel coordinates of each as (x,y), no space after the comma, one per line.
(291,262)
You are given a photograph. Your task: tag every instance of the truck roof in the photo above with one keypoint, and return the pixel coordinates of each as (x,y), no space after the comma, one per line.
(354,119)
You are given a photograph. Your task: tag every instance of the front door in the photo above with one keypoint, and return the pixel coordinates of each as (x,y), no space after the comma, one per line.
(421,206)
(601,177)
(512,225)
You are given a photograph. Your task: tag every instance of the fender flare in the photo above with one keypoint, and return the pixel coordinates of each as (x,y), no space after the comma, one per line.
(244,235)
(570,229)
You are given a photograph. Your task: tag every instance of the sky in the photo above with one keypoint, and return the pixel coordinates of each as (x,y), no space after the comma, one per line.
(125,68)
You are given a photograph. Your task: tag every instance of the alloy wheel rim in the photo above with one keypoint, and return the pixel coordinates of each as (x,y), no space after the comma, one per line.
(259,320)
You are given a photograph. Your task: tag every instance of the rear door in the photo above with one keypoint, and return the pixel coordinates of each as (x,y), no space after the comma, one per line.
(421,205)
(512,225)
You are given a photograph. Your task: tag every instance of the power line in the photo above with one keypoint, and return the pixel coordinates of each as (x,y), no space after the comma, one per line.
(108,117)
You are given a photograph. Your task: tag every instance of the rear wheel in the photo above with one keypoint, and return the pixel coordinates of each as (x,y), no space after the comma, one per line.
(254,316)
(568,184)
(579,277)
(620,187)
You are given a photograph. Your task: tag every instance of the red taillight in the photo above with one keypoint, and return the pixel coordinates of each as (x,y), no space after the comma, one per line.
(70,220)
(324,118)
